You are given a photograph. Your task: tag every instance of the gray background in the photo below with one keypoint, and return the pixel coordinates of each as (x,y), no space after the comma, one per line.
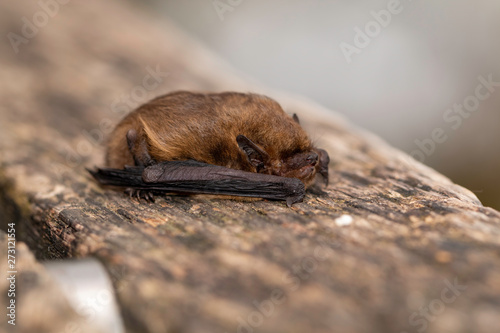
(426,59)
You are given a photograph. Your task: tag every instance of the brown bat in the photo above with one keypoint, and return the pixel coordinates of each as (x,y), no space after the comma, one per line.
(228,143)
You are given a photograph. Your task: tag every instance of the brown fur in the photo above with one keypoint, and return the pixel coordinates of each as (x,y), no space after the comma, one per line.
(185,125)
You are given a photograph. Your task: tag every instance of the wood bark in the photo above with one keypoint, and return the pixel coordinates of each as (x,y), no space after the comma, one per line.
(390,246)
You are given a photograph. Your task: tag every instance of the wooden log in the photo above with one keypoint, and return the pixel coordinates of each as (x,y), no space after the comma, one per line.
(389,246)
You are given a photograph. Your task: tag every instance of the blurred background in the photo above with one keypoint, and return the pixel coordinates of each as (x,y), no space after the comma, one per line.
(421,74)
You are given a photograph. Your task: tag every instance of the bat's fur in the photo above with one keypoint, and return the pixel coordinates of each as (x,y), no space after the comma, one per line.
(204,127)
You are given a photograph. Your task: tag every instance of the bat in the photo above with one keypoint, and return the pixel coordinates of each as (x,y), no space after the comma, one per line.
(218,143)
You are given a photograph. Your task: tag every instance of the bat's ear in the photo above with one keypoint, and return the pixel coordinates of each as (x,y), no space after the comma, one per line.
(138,149)
(324,160)
(296,118)
(256,155)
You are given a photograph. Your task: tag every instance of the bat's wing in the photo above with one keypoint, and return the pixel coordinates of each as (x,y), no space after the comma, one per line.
(197,177)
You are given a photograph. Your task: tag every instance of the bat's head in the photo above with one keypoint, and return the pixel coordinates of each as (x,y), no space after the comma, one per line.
(303,164)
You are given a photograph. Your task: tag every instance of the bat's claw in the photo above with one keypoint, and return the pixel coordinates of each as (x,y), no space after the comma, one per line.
(294,199)
(150,196)
(140,194)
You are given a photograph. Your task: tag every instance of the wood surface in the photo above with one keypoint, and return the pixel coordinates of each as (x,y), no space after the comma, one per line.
(377,251)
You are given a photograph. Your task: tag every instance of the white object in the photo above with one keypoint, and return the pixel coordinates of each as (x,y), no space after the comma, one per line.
(88,289)
(343,220)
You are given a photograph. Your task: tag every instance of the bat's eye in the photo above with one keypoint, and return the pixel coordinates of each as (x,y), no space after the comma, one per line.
(260,167)
(312,158)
